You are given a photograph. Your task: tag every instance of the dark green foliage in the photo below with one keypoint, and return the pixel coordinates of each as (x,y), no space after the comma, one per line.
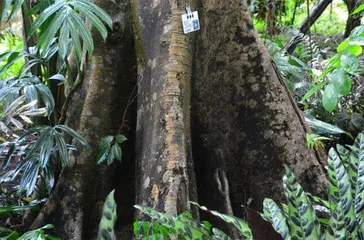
(46,141)
(31,87)
(67,19)
(110,149)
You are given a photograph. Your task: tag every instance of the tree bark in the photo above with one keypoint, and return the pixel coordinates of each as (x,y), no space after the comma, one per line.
(165,176)
(109,80)
(244,123)
(315,13)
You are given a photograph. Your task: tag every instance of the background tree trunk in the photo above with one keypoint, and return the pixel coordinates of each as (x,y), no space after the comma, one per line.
(109,80)
(245,126)
(353,21)
(165,179)
(315,13)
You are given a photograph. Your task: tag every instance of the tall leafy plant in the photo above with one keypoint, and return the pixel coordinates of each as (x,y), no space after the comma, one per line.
(68,21)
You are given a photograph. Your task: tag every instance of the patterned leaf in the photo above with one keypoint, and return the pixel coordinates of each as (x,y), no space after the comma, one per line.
(106,228)
(273,214)
(303,221)
(336,228)
(344,192)
(354,162)
(359,195)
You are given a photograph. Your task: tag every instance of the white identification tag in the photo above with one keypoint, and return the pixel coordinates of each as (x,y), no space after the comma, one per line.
(190,22)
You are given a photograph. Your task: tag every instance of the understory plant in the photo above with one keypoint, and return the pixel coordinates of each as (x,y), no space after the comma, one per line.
(344,208)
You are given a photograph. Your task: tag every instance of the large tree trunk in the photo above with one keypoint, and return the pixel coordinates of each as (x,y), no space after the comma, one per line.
(165,178)
(245,126)
(109,80)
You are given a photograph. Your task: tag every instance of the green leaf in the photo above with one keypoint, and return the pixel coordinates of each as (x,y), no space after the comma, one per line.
(220,235)
(313,90)
(47,97)
(120,138)
(65,15)
(63,39)
(302,218)
(83,31)
(86,9)
(116,149)
(322,127)
(106,227)
(96,10)
(359,191)
(110,155)
(342,46)
(62,148)
(330,98)
(9,209)
(46,14)
(105,151)
(356,50)
(336,227)
(359,9)
(343,193)
(8,234)
(273,214)
(240,224)
(38,234)
(341,81)
(46,150)
(30,175)
(182,227)
(73,134)
(354,162)
(58,77)
(349,62)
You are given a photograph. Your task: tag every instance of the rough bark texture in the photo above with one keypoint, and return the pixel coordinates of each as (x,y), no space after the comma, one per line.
(164,53)
(353,21)
(109,79)
(244,124)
